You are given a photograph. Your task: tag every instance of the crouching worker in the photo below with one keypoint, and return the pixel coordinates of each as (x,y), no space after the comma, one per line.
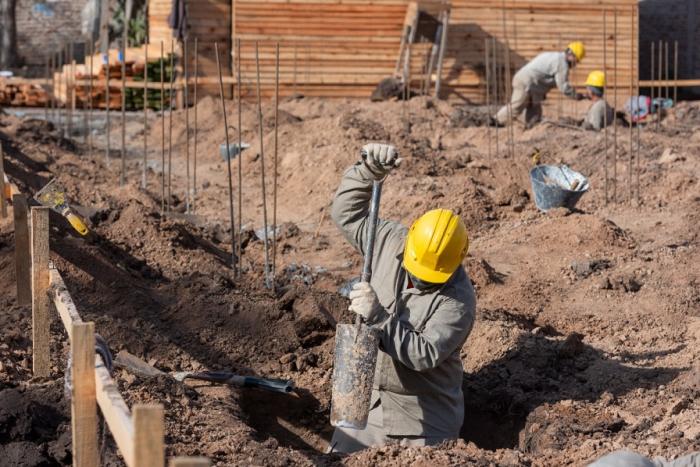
(421,300)
(600,114)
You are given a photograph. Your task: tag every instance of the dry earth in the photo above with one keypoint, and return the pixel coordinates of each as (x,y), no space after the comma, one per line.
(587,330)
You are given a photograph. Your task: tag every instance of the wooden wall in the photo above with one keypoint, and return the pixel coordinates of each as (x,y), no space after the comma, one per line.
(343,48)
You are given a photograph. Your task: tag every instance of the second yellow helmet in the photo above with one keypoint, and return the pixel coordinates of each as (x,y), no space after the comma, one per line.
(596,78)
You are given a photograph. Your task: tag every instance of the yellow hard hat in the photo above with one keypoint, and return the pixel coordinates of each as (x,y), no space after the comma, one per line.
(578,50)
(435,246)
(596,78)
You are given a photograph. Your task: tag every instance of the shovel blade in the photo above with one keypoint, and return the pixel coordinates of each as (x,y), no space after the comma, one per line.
(353,375)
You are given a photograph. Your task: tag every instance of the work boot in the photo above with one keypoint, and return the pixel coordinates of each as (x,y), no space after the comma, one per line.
(494,122)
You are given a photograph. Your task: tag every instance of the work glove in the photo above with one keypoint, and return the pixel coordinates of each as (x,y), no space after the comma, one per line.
(366,304)
(380,159)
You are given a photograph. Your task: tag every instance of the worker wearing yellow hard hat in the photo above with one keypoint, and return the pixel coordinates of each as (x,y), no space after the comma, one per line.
(600,114)
(533,81)
(423,304)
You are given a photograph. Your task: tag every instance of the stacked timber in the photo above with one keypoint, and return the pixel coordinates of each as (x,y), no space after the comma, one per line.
(22,95)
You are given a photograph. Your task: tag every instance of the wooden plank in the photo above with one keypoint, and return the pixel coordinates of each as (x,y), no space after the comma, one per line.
(190,462)
(149,432)
(41,319)
(58,292)
(115,411)
(681,82)
(23,255)
(3,198)
(83,397)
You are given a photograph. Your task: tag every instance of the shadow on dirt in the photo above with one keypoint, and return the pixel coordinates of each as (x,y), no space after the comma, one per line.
(539,370)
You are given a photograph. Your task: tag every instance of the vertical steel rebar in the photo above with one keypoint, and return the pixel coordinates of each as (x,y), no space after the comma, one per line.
(170,117)
(144,181)
(228,164)
(661,83)
(85,99)
(52,66)
(70,90)
(294,82)
(122,174)
(675,73)
(185,91)
(666,66)
(653,67)
(614,197)
(274,184)
(262,170)
(46,87)
(511,135)
(90,94)
(240,141)
(162,127)
(495,87)
(107,123)
(196,85)
(488,92)
(59,125)
(639,141)
(631,152)
(605,93)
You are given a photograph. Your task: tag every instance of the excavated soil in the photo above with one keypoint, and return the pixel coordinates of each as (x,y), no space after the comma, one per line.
(587,331)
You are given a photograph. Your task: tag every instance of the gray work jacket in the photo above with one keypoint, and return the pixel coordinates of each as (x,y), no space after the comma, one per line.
(419,371)
(545,72)
(595,118)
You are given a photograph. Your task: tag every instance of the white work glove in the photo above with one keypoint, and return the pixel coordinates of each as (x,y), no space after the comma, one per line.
(366,304)
(380,159)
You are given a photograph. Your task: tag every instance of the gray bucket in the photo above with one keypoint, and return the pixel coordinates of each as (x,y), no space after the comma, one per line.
(353,375)
(233,150)
(552,186)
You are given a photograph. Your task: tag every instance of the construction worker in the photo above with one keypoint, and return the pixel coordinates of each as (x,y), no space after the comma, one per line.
(421,300)
(533,81)
(632,459)
(600,114)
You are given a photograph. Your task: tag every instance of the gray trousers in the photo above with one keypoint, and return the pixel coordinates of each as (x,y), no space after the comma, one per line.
(347,440)
(521,100)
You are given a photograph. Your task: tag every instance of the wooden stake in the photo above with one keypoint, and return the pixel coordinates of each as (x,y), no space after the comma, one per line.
(41,318)
(185,66)
(170,137)
(228,166)
(605,93)
(240,157)
(144,181)
(190,462)
(262,169)
(23,254)
(194,171)
(123,148)
(488,92)
(274,176)
(149,435)
(615,101)
(675,73)
(83,397)
(631,151)
(107,128)
(162,127)
(3,199)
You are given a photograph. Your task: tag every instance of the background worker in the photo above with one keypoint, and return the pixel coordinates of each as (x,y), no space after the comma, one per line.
(533,81)
(422,301)
(632,459)
(600,114)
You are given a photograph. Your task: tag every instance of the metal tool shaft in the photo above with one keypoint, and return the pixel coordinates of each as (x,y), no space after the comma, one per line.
(373,218)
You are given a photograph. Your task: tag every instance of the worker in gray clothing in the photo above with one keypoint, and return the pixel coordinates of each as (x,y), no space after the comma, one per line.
(632,459)
(423,303)
(600,114)
(533,81)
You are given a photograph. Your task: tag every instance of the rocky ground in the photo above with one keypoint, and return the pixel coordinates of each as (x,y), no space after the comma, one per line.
(587,330)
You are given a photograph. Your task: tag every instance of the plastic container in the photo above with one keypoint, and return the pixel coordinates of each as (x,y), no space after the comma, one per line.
(552,186)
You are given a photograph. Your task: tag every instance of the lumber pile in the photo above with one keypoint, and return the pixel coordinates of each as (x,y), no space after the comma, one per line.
(22,95)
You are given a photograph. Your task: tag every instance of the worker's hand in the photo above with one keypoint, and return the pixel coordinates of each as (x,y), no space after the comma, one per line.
(366,304)
(580,97)
(380,159)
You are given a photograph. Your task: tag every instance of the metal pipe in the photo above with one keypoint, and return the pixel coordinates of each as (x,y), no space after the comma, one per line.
(228,163)
(185,91)
(144,181)
(262,170)
(194,171)
(274,184)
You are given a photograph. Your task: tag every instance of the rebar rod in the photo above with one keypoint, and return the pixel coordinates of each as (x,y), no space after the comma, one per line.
(107,123)
(294,78)
(653,67)
(605,93)
(85,99)
(511,142)
(639,141)
(496,85)
(274,178)
(262,169)
(666,66)
(185,92)
(488,92)
(52,96)
(123,148)
(560,97)
(240,142)
(60,89)
(162,127)
(70,90)
(144,181)
(615,103)
(658,110)
(170,137)
(194,168)
(228,163)
(629,170)
(46,88)
(675,73)
(90,93)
